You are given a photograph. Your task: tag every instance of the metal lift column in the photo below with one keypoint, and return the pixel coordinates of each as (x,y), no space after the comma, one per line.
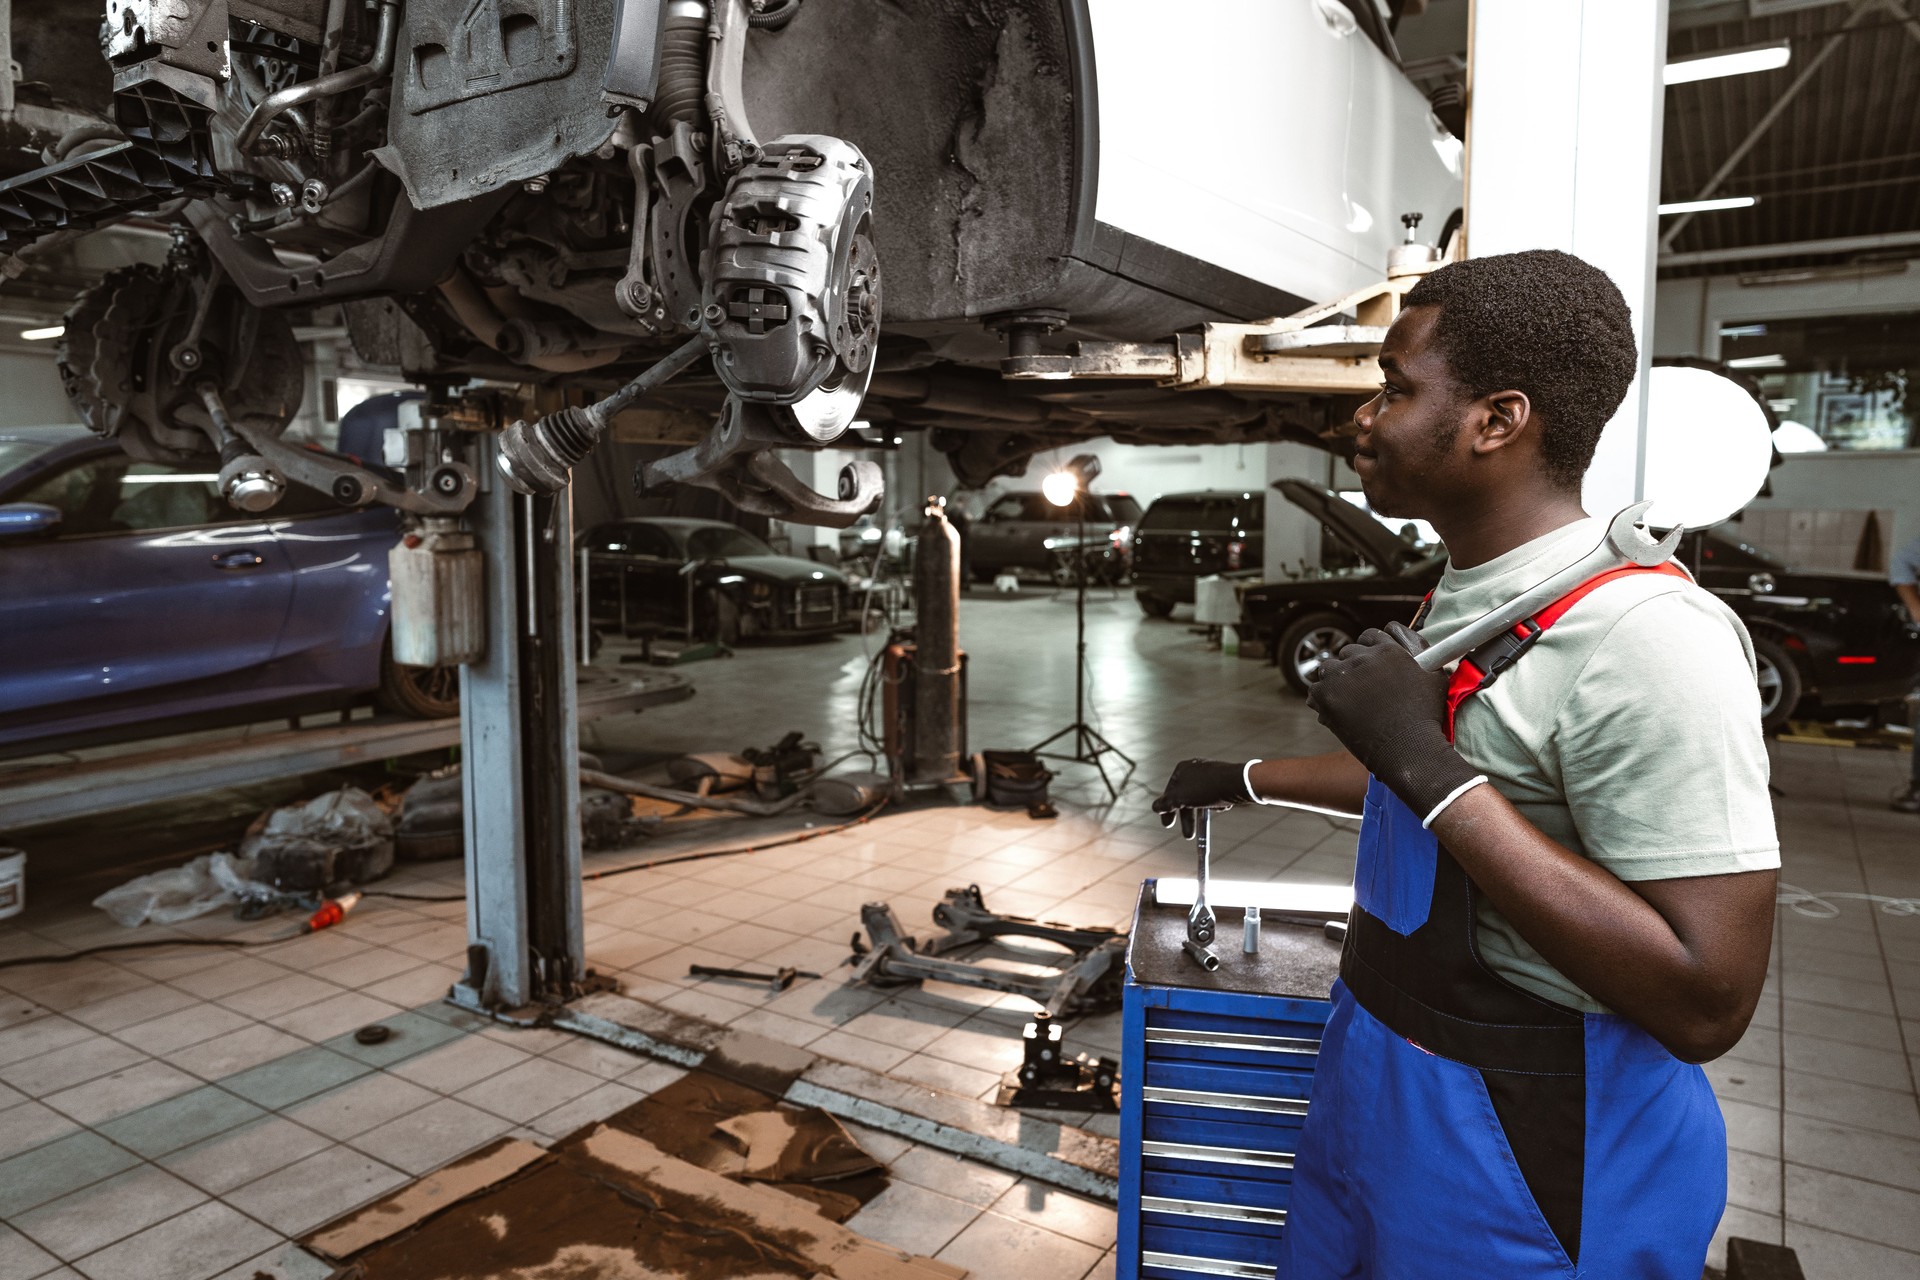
(519,749)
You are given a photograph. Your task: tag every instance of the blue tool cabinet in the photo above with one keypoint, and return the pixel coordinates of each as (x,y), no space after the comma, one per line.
(1215,1074)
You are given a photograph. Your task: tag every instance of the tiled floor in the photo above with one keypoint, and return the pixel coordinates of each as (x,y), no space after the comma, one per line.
(179,1115)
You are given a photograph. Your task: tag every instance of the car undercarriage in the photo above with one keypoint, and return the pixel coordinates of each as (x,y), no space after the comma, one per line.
(573,191)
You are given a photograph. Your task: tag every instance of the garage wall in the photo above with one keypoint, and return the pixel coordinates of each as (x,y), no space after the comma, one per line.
(30,394)
(1688,317)
(1147,471)
(1849,482)
(1688,314)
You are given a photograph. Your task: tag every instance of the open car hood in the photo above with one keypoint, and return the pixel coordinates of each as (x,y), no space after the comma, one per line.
(1367,537)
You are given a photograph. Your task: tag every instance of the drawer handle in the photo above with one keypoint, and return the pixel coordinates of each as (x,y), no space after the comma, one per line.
(1226,1101)
(1209,1209)
(1207,1266)
(1219,1155)
(1233,1040)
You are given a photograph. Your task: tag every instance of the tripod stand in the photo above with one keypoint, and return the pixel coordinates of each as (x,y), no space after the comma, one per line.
(1088,744)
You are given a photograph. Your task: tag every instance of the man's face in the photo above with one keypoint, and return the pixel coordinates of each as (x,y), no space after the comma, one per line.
(1405,447)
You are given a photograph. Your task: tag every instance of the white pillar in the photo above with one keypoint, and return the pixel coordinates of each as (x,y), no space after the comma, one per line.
(1292,536)
(1564,153)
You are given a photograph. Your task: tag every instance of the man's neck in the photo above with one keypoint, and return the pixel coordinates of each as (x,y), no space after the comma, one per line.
(1491,531)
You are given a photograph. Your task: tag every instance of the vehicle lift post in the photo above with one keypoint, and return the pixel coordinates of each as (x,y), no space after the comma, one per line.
(519,744)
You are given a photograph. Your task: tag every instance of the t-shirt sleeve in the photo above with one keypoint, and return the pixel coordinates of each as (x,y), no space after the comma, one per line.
(1660,750)
(1905,571)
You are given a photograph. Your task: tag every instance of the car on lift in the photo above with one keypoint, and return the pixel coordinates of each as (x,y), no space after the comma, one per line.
(569,194)
(1836,639)
(1021,532)
(705,579)
(1184,537)
(139,601)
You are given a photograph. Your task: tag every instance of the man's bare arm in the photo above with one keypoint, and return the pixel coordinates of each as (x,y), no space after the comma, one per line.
(1684,959)
(1909,596)
(1332,781)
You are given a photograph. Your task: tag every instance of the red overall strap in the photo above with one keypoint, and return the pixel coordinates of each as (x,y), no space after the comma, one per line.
(1469,678)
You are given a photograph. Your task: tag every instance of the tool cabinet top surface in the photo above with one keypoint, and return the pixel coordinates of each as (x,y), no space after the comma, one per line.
(1296,961)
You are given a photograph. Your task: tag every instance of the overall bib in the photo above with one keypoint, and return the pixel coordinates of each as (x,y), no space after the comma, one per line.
(1461,1126)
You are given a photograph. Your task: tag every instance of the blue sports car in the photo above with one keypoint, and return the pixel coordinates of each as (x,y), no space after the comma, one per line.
(134,596)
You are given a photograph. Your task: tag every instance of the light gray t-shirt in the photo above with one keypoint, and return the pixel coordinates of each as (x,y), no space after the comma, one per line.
(1629,732)
(1905,569)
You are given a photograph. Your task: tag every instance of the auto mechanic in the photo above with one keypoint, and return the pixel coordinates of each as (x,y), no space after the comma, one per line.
(1904,574)
(1565,882)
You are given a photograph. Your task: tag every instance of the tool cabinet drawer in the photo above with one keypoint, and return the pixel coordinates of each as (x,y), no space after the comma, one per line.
(1216,1076)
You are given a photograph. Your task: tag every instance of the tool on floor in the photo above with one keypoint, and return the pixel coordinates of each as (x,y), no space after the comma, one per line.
(777,981)
(1628,542)
(1250,931)
(1048,1079)
(1200,922)
(331,912)
(1086,979)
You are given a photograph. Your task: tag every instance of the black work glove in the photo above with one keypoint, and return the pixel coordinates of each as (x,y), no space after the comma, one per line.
(1391,715)
(1201,784)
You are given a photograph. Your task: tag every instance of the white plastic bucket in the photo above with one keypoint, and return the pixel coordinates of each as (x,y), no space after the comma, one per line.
(13,882)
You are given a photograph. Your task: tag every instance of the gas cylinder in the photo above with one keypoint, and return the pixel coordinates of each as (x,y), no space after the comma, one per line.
(936,690)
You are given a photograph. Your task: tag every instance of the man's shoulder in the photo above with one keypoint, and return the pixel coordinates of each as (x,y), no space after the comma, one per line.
(1639,620)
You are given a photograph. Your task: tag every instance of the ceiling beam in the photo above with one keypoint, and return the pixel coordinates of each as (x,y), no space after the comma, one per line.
(1792,249)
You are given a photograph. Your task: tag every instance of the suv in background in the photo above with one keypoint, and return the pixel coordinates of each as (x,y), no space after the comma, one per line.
(1022,531)
(1187,536)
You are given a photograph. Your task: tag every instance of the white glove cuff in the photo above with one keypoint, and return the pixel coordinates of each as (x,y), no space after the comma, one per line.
(1455,794)
(1246,783)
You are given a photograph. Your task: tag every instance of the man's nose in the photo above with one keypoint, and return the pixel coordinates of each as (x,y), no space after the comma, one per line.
(1362,420)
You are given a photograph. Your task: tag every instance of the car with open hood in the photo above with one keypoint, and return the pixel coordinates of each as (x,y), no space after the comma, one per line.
(1838,639)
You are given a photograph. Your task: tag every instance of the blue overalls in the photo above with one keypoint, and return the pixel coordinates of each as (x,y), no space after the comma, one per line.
(1463,1127)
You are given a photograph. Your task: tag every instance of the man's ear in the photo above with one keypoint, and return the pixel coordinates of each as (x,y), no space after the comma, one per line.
(1505,417)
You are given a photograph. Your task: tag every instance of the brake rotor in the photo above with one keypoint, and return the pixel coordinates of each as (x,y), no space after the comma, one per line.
(115,362)
(828,410)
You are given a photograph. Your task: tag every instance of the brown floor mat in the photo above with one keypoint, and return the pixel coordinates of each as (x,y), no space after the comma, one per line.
(610,1205)
(738,1131)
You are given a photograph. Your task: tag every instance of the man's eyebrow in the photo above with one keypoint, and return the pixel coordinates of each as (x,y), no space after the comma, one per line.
(1388,363)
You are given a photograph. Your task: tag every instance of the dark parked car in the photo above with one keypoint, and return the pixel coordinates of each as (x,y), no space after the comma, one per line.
(1023,532)
(1843,638)
(1187,536)
(136,598)
(708,579)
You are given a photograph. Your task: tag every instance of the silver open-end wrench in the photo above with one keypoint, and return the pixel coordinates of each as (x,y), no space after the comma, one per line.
(1200,922)
(1628,541)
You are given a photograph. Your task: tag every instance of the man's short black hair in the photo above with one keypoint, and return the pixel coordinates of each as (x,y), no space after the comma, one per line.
(1543,322)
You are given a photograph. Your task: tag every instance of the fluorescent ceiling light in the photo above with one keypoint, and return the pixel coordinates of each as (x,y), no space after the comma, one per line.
(36,335)
(1758,362)
(1707,206)
(1743,331)
(1729,64)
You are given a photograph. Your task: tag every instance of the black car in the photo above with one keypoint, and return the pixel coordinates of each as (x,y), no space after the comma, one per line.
(1187,536)
(1023,532)
(1841,638)
(706,579)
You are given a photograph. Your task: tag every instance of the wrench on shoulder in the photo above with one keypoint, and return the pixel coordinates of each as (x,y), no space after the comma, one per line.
(1628,541)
